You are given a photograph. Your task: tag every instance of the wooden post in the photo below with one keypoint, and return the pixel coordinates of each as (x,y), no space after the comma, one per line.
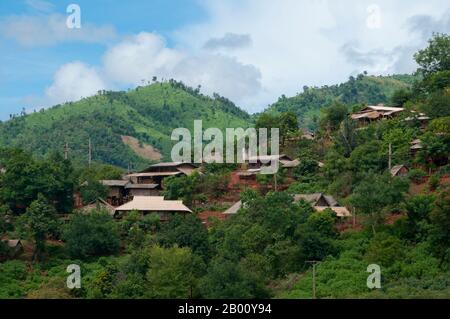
(314,263)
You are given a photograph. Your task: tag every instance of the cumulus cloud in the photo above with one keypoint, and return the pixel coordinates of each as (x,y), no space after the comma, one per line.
(253,51)
(74,81)
(425,25)
(142,56)
(43,30)
(229,41)
(398,59)
(306,42)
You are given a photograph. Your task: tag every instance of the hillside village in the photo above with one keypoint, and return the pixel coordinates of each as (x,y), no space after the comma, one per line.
(370,184)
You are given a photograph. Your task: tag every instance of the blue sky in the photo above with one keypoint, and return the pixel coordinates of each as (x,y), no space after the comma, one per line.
(251,51)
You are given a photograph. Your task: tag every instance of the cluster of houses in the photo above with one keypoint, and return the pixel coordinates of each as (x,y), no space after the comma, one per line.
(318,201)
(373,113)
(141,191)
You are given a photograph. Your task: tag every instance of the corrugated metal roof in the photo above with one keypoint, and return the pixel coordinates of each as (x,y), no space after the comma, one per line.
(153,204)
(152,174)
(141,186)
(233,209)
(114,182)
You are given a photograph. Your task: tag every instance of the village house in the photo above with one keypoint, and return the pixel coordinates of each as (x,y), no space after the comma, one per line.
(320,202)
(15,247)
(253,164)
(416,146)
(98,204)
(399,170)
(153,204)
(420,118)
(156,173)
(375,113)
(307,134)
(233,209)
(142,189)
(116,191)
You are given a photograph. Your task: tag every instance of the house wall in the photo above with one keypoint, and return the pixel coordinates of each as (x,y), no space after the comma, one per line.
(143,192)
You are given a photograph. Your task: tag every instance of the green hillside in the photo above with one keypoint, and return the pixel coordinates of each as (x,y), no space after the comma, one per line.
(148,114)
(362,89)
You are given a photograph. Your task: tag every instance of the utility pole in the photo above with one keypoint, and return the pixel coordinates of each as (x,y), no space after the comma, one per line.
(390,156)
(90,152)
(314,263)
(66,151)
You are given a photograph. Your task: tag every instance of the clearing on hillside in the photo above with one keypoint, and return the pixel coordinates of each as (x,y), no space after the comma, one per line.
(143,150)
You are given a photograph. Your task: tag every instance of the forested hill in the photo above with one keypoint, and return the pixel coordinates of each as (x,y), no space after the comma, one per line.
(124,127)
(360,89)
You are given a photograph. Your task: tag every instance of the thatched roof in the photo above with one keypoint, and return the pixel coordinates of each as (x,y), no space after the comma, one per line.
(396,169)
(314,198)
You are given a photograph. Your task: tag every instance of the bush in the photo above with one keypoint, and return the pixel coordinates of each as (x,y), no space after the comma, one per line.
(91,235)
(416,175)
(434,182)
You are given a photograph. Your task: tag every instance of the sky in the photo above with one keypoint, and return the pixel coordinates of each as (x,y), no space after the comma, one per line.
(251,51)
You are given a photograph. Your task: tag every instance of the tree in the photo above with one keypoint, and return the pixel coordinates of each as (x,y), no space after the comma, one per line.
(333,116)
(384,250)
(39,223)
(185,231)
(418,209)
(435,57)
(440,227)
(316,236)
(171,273)
(25,177)
(400,97)
(288,125)
(89,235)
(227,279)
(368,157)
(375,194)
(437,104)
(91,190)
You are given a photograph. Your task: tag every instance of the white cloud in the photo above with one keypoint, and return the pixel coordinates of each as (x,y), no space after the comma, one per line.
(43,30)
(145,55)
(229,41)
(74,81)
(293,43)
(40,5)
(140,57)
(314,42)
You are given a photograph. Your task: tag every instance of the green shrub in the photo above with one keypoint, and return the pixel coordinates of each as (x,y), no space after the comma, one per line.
(416,175)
